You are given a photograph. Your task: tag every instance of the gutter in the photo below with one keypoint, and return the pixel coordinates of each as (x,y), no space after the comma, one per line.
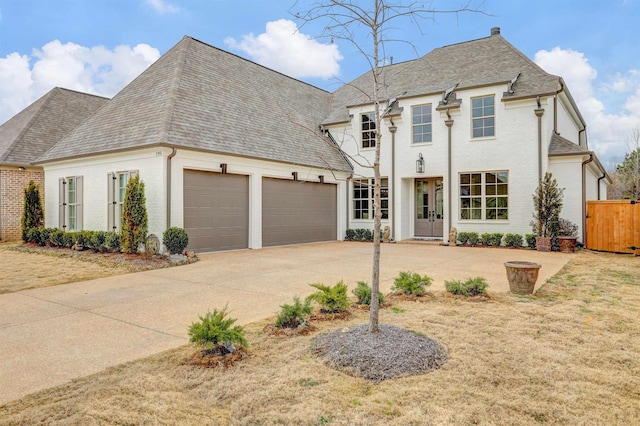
(604,175)
(169,157)
(584,196)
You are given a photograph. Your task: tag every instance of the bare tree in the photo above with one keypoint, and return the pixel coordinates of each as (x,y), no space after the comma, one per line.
(628,172)
(378,18)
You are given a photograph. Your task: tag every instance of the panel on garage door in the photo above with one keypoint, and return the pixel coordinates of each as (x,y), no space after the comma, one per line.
(216,211)
(296,212)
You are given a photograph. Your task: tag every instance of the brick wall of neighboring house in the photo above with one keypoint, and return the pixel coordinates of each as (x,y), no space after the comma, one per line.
(12,184)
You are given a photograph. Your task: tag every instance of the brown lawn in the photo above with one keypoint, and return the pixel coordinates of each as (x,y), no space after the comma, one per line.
(24,267)
(568,355)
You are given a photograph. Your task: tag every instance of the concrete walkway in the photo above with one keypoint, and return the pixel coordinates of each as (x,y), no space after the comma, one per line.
(51,335)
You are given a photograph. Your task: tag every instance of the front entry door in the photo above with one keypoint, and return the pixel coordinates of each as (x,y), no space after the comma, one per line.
(429,208)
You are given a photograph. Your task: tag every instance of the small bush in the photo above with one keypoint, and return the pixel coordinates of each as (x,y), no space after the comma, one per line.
(112,241)
(463,237)
(68,239)
(215,329)
(567,228)
(497,239)
(470,287)
(486,239)
(513,240)
(56,238)
(363,293)
(411,283)
(97,241)
(474,238)
(331,299)
(531,240)
(176,239)
(294,316)
(45,233)
(32,235)
(351,235)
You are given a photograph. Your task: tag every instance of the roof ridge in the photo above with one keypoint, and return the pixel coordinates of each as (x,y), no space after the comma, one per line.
(26,128)
(172,95)
(82,93)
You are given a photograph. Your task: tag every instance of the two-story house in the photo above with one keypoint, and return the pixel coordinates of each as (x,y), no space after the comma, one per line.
(469,130)
(242,156)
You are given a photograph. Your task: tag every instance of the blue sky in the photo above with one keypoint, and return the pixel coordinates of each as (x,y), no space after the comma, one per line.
(98,46)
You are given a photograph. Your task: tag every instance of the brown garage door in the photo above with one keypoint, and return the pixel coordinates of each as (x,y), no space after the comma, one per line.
(216,211)
(295,212)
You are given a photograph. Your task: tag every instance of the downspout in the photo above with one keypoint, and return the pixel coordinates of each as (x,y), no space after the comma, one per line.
(555,108)
(604,175)
(449,123)
(539,113)
(169,157)
(393,128)
(584,196)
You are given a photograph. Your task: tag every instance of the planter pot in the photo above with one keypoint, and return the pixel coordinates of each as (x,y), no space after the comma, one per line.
(543,243)
(522,276)
(567,244)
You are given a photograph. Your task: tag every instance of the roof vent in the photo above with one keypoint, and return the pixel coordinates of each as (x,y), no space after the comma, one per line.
(495,31)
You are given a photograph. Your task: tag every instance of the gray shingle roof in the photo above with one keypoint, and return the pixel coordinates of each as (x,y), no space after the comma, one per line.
(474,63)
(560,146)
(197,96)
(31,132)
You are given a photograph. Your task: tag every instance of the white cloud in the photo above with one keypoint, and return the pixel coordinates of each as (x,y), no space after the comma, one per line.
(162,7)
(607,131)
(97,70)
(284,48)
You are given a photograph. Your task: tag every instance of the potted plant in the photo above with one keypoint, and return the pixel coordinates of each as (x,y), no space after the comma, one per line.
(567,236)
(547,203)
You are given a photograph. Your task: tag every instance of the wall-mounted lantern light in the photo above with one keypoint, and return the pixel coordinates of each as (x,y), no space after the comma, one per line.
(420,164)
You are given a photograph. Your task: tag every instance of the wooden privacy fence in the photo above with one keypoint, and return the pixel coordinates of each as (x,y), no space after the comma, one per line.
(614,226)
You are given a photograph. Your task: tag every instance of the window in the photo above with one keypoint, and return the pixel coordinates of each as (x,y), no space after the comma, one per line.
(70,203)
(483,116)
(368,130)
(484,196)
(363,198)
(421,123)
(117,189)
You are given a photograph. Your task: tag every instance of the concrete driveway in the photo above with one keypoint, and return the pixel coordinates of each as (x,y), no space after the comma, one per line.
(51,335)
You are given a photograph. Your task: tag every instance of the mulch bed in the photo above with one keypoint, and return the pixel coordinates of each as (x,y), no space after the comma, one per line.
(272,330)
(217,357)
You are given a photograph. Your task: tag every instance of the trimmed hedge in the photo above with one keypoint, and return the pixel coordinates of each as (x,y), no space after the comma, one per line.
(359,234)
(513,240)
(94,240)
(176,239)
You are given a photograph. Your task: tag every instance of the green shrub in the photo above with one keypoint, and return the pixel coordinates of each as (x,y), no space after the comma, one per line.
(474,238)
(531,240)
(486,239)
(176,239)
(513,240)
(134,216)
(359,234)
(351,235)
(293,316)
(97,240)
(112,241)
(411,283)
(68,239)
(45,233)
(32,213)
(497,238)
(56,238)
(463,237)
(215,330)
(32,235)
(470,287)
(363,293)
(331,299)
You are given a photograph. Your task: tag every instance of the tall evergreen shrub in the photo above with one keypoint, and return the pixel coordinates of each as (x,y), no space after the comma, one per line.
(32,214)
(134,216)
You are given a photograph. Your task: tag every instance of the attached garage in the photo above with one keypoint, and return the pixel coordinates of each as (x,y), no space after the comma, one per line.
(295,212)
(216,210)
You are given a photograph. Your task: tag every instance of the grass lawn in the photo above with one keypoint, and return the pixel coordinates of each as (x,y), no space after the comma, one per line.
(568,355)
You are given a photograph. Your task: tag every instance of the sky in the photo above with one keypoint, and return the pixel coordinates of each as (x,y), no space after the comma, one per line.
(99,46)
